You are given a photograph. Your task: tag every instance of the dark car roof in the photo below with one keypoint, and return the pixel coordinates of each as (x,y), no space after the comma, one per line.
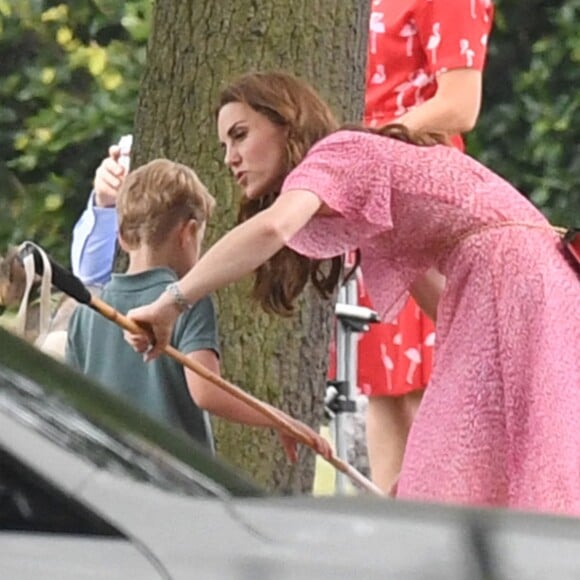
(251,534)
(40,381)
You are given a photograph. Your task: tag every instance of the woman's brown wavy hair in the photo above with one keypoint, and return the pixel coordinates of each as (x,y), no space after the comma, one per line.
(290,102)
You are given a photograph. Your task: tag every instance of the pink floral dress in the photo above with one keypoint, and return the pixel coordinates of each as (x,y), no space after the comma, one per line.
(500,422)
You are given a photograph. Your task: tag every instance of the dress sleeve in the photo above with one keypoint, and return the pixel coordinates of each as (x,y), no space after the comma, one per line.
(454,33)
(198,328)
(350,173)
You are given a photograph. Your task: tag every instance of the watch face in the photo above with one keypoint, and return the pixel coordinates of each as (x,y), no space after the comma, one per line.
(572,244)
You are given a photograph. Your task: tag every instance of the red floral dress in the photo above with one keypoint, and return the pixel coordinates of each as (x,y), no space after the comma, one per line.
(410,43)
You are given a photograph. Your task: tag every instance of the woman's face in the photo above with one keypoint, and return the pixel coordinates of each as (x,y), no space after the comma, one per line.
(255,149)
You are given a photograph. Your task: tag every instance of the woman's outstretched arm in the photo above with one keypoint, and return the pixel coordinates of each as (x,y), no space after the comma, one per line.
(234,256)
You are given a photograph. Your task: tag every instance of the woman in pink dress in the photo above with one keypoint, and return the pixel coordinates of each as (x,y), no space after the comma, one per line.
(424,69)
(500,422)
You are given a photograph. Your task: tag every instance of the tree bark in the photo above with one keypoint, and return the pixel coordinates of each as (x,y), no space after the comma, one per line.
(195,48)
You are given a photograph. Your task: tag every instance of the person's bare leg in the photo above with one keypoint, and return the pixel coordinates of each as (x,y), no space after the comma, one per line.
(412,401)
(388,422)
(386,437)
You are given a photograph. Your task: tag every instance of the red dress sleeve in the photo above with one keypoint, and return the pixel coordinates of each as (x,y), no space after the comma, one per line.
(454,33)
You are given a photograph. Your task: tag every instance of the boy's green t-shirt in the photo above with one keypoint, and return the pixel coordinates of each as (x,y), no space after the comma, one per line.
(96,347)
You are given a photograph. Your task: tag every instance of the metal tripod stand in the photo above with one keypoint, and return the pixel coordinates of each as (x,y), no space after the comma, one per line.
(340,398)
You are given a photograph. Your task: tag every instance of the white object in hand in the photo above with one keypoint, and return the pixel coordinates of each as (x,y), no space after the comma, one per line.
(125,144)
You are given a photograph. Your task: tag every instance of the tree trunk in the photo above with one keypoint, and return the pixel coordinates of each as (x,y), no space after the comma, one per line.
(195,48)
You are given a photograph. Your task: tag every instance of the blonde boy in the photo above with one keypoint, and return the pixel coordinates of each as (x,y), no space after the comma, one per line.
(162,209)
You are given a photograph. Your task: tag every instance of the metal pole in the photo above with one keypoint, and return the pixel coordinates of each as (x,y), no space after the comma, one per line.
(351,319)
(343,373)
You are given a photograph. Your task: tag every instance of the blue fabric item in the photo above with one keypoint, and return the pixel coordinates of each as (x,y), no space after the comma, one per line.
(93,243)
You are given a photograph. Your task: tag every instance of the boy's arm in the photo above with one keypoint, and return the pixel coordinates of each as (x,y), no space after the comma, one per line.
(220,403)
(216,401)
(198,336)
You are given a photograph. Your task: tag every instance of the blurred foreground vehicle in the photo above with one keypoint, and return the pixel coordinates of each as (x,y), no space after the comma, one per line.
(89,488)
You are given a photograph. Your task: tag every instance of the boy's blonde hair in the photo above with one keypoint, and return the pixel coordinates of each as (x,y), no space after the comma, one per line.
(156,197)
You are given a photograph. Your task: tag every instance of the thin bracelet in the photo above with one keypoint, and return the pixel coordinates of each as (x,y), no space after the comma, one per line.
(178,298)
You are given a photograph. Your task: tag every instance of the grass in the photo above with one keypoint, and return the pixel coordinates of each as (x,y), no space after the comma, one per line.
(324,478)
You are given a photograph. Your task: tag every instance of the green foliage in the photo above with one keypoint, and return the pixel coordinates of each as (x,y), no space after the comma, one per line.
(530,127)
(70,74)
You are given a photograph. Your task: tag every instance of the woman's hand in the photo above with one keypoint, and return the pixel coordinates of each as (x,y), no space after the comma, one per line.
(158,318)
(289,442)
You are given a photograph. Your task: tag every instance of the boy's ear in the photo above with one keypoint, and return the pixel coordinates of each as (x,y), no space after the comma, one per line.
(123,244)
(190,231)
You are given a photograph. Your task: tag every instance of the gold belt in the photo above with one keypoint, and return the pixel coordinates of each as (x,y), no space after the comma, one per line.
(452,244)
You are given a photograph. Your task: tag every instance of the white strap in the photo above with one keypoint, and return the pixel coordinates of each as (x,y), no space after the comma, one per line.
(45,287)
(45,302)
(23,309)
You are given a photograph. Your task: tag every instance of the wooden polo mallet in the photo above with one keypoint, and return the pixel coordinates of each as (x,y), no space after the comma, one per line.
(73,287)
